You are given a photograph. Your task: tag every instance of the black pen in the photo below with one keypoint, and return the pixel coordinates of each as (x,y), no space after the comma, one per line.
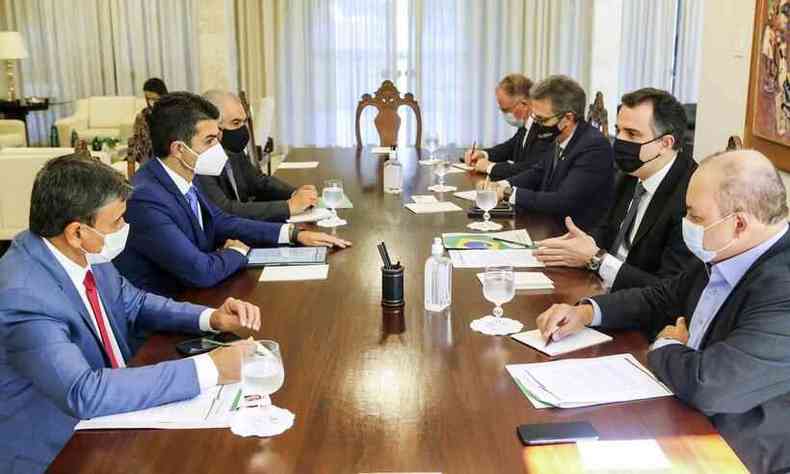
(523,245)
(386,255)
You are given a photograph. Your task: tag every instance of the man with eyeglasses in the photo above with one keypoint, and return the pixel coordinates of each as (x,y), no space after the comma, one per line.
(522,150)
(574,176)
(641,241)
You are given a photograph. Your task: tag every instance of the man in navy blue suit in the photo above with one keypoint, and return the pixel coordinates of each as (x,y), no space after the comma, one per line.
(179,238)
(574,176)
(66,317)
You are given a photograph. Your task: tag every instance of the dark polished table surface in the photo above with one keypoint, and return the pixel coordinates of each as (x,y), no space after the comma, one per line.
(408,391)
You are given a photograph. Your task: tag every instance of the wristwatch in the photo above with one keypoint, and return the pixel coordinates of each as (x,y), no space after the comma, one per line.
(595,262)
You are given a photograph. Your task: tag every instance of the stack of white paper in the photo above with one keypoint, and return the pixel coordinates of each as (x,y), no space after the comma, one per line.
(211,409)
(485,258)
(528,281)
(424,199)
(313,215)
(468,195)
(297,165)
(463,166)
(587,337)
(295,273)
(432,207)
(572,383)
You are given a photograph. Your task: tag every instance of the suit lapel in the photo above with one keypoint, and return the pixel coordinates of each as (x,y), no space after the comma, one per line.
(659,200)
(164,180)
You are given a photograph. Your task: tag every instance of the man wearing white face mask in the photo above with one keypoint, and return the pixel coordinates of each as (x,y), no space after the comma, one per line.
(67,319)
(179,239)
(731,359)
(523,149)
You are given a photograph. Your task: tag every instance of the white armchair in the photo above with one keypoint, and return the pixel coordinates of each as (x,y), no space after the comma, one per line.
(12,133)
(101,117)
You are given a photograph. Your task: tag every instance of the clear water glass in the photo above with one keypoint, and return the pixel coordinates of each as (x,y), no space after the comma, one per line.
(499,287)
(262,371)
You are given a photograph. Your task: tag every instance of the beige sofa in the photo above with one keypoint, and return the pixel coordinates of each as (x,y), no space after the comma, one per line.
(12,133)
(18,167)
(101,117)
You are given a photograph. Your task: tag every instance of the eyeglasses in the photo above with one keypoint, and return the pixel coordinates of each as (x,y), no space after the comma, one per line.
(544,120)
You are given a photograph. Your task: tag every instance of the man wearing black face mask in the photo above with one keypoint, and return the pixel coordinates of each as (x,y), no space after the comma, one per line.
(241,189)
(641,241)
(573,176)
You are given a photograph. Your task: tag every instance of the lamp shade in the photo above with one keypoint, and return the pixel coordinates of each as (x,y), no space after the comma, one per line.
(11,45)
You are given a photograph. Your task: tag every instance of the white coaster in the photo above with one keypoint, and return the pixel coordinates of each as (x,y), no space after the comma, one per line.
(484,226)
(262,421)
(428,162)
(493,326)
(331,222)
(438,188)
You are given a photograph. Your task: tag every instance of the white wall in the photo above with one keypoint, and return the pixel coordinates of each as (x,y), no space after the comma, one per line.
(724,85)
(724,82)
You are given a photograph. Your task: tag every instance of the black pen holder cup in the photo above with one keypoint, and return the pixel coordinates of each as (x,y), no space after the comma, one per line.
(392,286)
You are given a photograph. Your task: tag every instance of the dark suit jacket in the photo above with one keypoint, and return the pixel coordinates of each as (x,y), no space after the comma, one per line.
(262,197)
(512,158)
(658,250)
(740,377)
(580,187)
(167,250)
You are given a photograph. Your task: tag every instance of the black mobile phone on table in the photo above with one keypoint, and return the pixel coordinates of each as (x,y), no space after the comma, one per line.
(556,433)
(200,345)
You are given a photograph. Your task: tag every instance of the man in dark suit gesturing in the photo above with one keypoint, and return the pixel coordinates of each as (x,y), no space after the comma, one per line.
(522,150)
(731,360)
(641,240)
(241,189)
(574,176)
(178,238)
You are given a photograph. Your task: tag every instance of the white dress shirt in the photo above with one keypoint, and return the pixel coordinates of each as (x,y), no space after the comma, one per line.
(610,264)
(527,125)
(506,183)
(207,373)
(184,186)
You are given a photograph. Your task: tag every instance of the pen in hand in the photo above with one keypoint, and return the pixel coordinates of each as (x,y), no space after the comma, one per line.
(550,339)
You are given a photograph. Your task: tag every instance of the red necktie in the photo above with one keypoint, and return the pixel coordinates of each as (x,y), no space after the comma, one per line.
(93,298)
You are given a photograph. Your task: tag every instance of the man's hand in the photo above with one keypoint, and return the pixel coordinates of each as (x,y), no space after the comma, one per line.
(574,249)
(236,315)
(303,198)
(320,239)
(236,245)
(228,360)
(481,165)
(562,320)
(678,332)
(470,159)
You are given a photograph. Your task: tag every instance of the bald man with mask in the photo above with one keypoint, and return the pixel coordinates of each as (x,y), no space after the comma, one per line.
(723,326)
(241,189)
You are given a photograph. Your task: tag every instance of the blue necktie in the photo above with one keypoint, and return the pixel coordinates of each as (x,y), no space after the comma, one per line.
(192,199)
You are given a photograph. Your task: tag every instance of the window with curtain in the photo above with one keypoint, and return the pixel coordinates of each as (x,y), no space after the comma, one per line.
(449,53)
(84,48)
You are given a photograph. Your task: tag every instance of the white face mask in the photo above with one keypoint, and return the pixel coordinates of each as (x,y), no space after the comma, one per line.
(694,236)
(114,244)
(210,162)
(512,120)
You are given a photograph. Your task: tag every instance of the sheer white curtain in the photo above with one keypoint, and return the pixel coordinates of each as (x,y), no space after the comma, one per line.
(329,53)
(648,44)
(465,47)
(689,51)
(83,48)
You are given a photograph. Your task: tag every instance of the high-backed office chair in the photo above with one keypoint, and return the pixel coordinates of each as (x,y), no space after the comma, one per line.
(734,143)
(387,100)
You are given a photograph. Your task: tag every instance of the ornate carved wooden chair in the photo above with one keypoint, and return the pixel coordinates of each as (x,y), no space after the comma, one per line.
(734,143)
(387,100)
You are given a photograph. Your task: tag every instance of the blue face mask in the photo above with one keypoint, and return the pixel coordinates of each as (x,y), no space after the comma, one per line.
(694,236)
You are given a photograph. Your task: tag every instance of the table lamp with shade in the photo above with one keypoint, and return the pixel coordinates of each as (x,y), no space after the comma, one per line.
(12,47)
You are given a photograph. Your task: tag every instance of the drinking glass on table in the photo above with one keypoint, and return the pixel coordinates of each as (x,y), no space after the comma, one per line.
(332,195)
(440,169)
(431,144)
(499,287)
(262,372)
(486,200)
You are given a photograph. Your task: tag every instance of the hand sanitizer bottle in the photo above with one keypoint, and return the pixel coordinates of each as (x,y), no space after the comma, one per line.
(438,278)
(393,173)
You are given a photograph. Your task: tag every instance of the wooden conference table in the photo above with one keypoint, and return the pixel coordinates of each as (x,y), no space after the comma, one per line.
(396,391)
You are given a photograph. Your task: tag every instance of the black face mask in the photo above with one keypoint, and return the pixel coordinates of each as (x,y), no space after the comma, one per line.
(235,140)
(547,132)
(626,154)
